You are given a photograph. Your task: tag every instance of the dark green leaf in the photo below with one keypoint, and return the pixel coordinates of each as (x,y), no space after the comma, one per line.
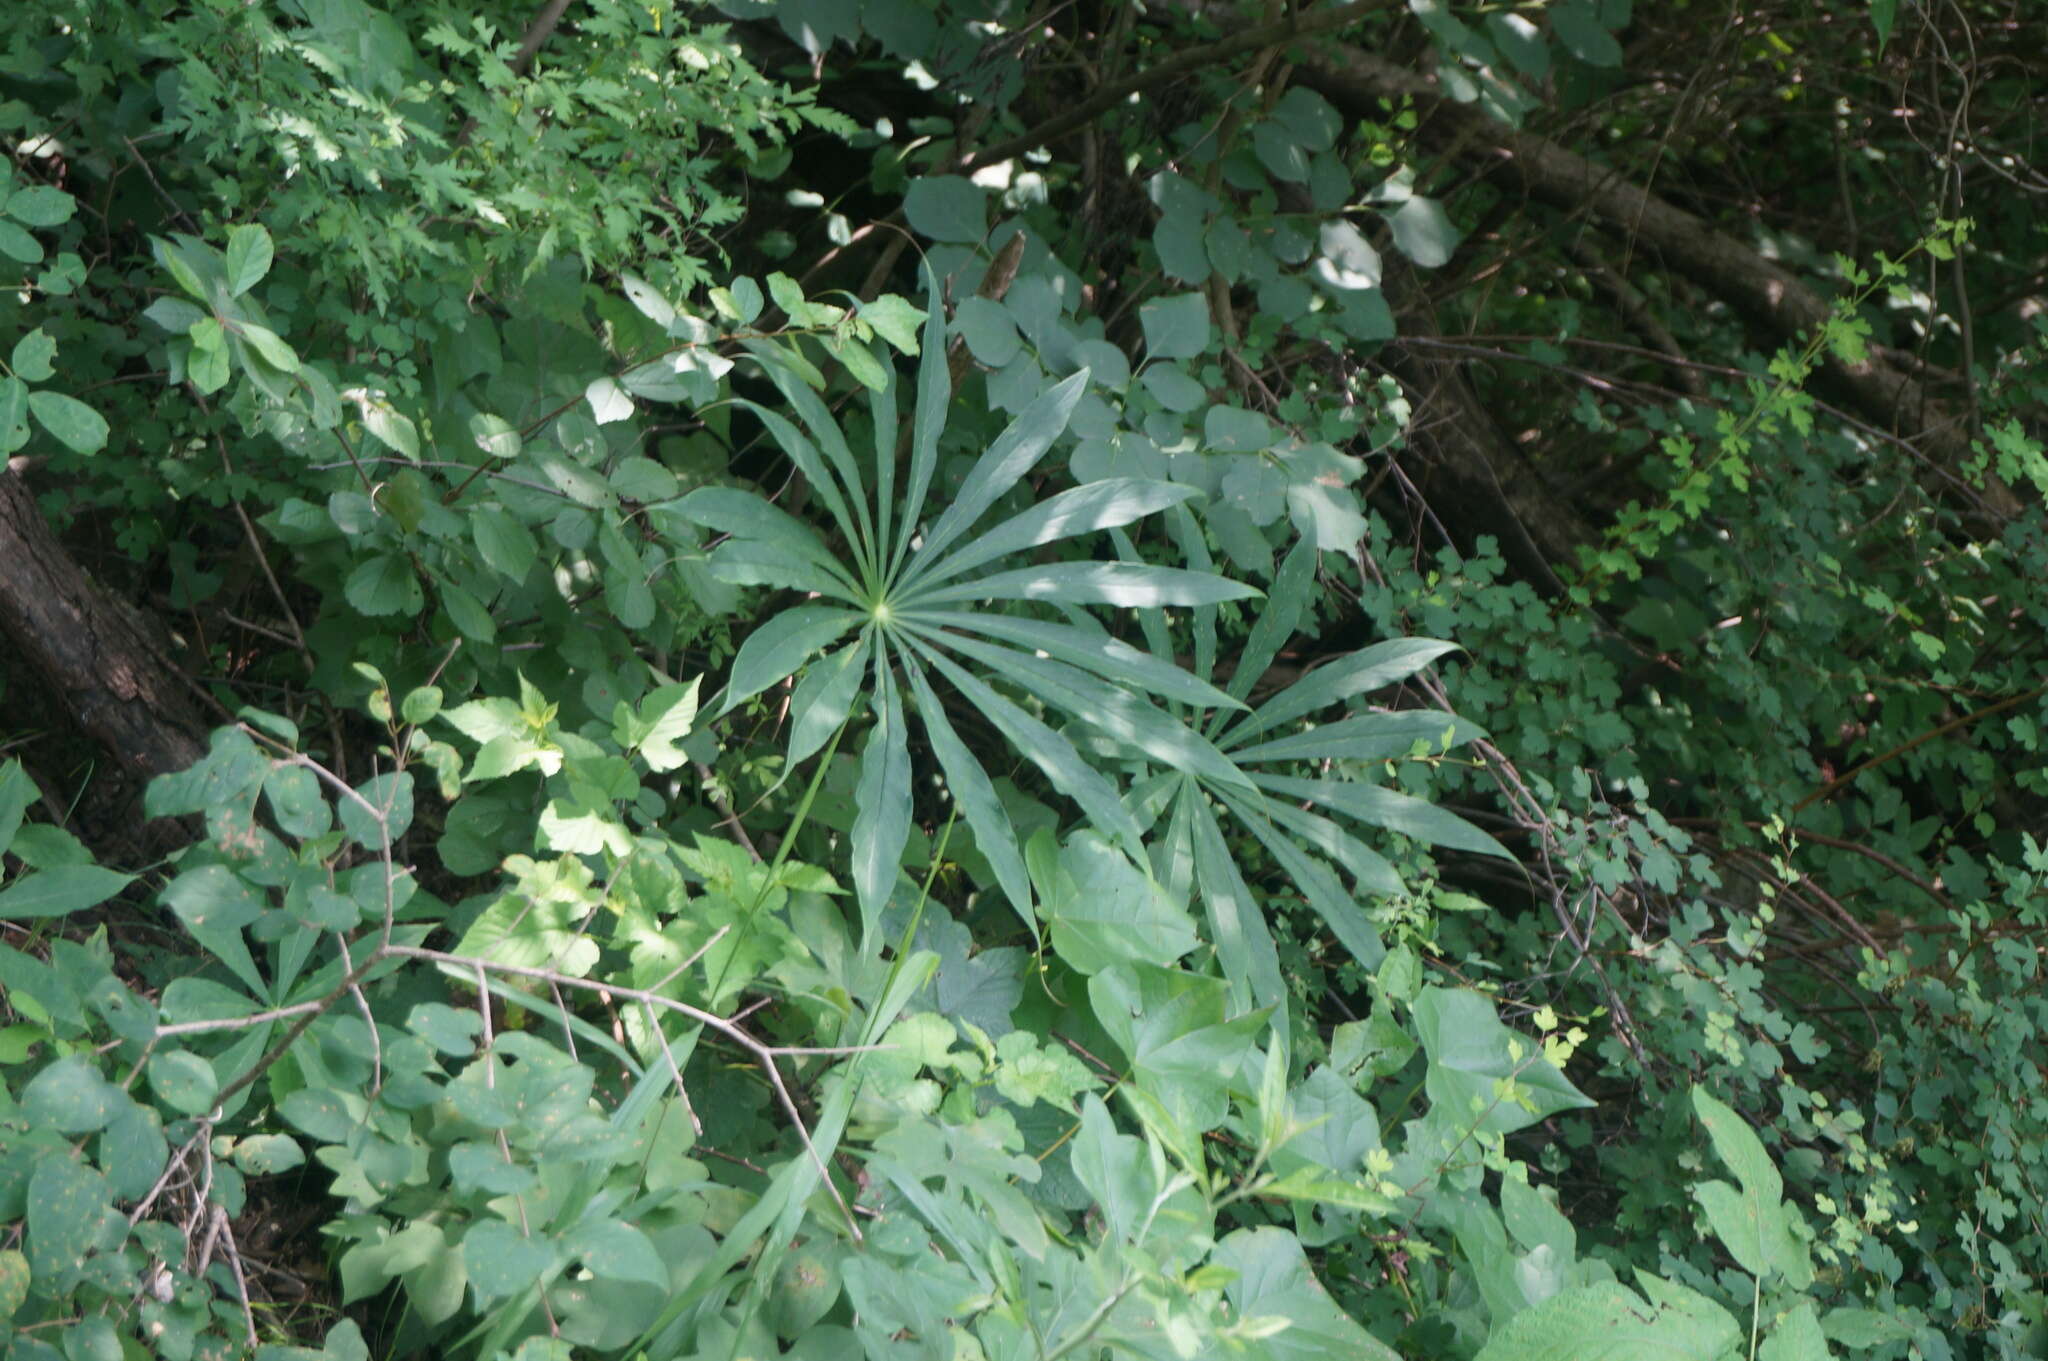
(947,208)
(75,425)
(61,889)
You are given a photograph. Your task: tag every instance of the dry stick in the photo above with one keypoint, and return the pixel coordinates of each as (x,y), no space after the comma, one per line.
(675,1070)
(369,1019)
(727,817)
(227,1237)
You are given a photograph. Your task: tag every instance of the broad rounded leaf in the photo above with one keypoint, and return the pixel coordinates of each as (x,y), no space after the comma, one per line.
(501,1260)
(184,1081)
(1609,1322)
(1424,233)
(75,425)
(41,205)
(249,256)
(384,583)
(947,208)
(1580,30)
(1175,327)
(70,1096)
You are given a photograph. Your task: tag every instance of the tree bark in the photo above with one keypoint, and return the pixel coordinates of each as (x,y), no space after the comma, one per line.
(1770,296)
(95,660)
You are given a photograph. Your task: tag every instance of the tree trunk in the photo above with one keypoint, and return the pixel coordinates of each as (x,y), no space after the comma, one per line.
(95,660)
(1770,296)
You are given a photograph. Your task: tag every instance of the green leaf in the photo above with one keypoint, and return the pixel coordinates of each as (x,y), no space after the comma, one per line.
(1610,1322)
(390,795)
(293,792)
(776,649)
(32,356)
(1094,583)
(1471,1058)
(994,834)
(1272,1281)
(989,330)
(1237,923)
(184,1081)
(1107,708)
(1093,650)
(13,414)
(1079,510)
(1015,452)
(895,320)
(1368,669)
(823,699)
(503,1261)
(1115,1170)
(249,256)
(1754,1222)
(69,1206)
(1424,233)
(1185,1049)
(14,1282)
(41,205)
(746,516)
(1796,1336)
(17,244)
(69,1096)
(934,393)
(1176,327)
(1104,911)
(263,1155)
(270,346)
(384,583)
(213,897)
(59,890)
(1882,15)
(1412,817)
(1049,751)
(383,420)
(666,717)
(947,208)
(883,796)
(75,425)
(1580,30)
(507,546)
(1362,737)
(543,932)
(615,1251)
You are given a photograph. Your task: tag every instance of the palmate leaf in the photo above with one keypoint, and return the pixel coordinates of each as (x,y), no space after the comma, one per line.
(901,596)
(1309,846)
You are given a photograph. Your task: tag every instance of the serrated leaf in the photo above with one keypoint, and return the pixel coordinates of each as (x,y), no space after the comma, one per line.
(895,319)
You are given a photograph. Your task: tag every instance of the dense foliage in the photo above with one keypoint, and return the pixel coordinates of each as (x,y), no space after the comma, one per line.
(943,679)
